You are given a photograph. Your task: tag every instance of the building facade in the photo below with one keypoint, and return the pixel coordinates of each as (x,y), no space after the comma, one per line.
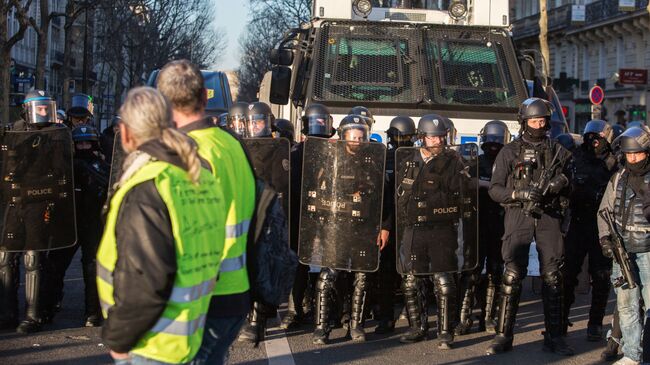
(603,42)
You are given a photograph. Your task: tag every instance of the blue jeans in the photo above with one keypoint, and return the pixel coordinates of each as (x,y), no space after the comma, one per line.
(218,335)
(627,303)
(139,360)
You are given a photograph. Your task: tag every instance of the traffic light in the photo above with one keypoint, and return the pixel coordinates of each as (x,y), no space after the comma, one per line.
(638,112)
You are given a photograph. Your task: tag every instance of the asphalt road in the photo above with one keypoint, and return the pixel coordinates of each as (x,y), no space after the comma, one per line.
(66,342)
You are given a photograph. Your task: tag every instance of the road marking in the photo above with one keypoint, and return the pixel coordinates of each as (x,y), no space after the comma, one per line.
(277,347)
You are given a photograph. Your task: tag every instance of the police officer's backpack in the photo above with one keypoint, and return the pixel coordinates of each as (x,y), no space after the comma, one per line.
(272,264)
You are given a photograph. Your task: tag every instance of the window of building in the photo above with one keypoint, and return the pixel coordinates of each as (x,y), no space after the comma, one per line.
(585,64)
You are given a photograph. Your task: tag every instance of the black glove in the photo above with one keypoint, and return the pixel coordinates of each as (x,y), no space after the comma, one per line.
(607,247)
(528,194)
(558,183)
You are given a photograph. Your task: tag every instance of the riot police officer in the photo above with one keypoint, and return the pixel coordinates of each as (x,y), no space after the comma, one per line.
(493,137)
(530,214)
(333,283)
(593,166)
(91,174)
(431,184)
(29,224)
(81,111)
(259,121)
(316,122)
(222,120)
(237,116)
(400,133)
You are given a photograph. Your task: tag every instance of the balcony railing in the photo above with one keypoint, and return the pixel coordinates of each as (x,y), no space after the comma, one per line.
(607,9)
(558,18)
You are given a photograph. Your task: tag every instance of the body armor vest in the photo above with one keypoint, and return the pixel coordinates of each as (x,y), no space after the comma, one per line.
(630,221)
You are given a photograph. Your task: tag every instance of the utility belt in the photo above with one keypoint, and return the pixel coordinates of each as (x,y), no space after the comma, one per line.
(633,228)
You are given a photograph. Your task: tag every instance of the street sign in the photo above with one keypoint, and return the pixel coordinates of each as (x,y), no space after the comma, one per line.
(633,76)
(596,111)
(596,95)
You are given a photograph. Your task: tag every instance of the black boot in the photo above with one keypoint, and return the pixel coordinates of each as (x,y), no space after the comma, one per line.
(358,304)
(552,296)
(601,286)
(508,306)
(8,290)
(33,275)
(469,283)
(324,296)
(293,318)
(295,314)
(255,328)
(415,303)
(445,290)
(93,311)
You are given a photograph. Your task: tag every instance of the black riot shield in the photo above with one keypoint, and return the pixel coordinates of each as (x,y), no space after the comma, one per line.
(436,209)
(341,203)
(116,164)
(37,196)
(270,158)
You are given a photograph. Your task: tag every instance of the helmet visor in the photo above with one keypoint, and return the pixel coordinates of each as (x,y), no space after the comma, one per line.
(355,132)
(259,125)
(40,110)
(319,125)
(237,124)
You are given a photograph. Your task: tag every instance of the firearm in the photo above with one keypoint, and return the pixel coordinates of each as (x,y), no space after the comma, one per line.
(543,184)
(620,254)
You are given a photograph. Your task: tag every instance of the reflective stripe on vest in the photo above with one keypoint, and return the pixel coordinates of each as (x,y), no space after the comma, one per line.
(230,166)
(197,216)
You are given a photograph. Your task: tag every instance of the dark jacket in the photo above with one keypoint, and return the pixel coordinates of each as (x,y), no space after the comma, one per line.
(146,266)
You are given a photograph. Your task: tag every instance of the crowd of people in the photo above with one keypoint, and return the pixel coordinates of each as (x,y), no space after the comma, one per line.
(167,236)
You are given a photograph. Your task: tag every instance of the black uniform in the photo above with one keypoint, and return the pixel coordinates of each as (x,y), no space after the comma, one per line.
(518,165)
(436,182)
(590,178)
(91,175)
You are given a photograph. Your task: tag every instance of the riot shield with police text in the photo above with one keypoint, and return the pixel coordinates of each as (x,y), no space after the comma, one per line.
(341,204)
(37,208)
(271,162)
(436,202)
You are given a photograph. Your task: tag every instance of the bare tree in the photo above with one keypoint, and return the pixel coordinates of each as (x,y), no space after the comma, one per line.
(270,19)
(7,41)
(543,38)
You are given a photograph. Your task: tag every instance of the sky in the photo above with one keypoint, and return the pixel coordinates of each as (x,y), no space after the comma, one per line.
(232,17)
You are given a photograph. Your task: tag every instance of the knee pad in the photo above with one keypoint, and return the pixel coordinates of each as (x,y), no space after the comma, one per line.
(7,259)
(360,281)
(444,283)
(410,282)
(511,281)
(553,279)
(32,260)
(326,278)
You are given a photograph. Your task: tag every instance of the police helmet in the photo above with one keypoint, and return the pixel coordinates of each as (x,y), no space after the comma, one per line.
(317,121)
(284,128)
(354,122)
(82,106)
(601,128)
(495,131)
(60,116)
(364,112)
(617,130)
(636,123)
(535,108)
(401,127)
(433,125)
(634,139)
(222,120)
(260,120)
(39,108)
(85,132)
(237,116)
(451,136)
(566,140)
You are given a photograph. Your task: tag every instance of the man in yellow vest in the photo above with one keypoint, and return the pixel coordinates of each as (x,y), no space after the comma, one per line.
(163,241)
(182,84)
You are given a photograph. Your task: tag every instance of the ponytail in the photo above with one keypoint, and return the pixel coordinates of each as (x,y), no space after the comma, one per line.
(186,150)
